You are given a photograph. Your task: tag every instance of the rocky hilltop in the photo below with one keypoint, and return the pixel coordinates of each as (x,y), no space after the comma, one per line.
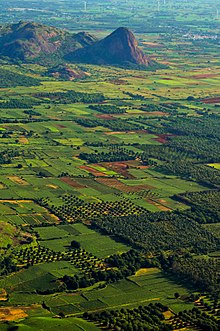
(28,41)
(120,47)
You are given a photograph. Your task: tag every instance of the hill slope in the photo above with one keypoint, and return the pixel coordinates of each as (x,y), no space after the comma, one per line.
(28,40)
(119,48)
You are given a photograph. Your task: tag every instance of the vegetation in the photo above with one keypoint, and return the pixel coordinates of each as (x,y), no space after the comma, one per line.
(142,318)
(109,179)
(11,79)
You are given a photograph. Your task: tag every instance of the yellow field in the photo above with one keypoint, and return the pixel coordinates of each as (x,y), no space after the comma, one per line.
(18,180)
(144,271)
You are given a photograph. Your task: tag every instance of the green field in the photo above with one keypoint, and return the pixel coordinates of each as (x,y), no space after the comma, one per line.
(109,180)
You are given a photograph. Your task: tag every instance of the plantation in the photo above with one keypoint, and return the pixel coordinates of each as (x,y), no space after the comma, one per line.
(109,175)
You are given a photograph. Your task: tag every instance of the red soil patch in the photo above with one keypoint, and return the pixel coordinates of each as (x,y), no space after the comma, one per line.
(104,116)
(118,82)
(211,100)
(61,126)
(71,182)
(123,132)
(122,168)
(143,167)
(152,44)
(96,173)
(150,113)
(158,205)
(162,138)
(203,76)
(112,182)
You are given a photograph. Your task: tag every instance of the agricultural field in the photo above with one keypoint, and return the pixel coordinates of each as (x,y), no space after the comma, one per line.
(110,179)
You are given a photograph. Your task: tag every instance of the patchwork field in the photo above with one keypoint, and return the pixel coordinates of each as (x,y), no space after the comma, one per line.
(109,180)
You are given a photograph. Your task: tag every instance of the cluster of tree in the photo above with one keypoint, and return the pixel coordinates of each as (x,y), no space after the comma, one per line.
(162,152)
(18,103)
(135,96)
(205,207)
(130,261)
(7,155)
(191,171)
(31,112)
(197,148)
(82,210)
(119,267)
(12,79)
(143,318)
(71,97)
(112,156)
(170,231)
(170,108)
(7,265)
(201,272)
(196,318)
(205,126)
(108,109)
(77,256)
(114,124)
(117,153)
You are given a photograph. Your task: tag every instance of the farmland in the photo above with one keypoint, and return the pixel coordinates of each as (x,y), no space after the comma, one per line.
(109,181)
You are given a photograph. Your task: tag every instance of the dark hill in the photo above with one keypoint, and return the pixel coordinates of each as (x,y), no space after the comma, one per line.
(28,40)
(119,48)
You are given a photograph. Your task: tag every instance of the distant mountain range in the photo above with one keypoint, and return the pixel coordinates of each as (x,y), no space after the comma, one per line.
(28,41)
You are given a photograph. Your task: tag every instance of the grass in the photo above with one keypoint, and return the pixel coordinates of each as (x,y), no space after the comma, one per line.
(93,242)
(51,232)
(140,290)
(51,324)
(213,228)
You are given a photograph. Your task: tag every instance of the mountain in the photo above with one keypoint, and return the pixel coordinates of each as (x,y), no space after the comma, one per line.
(29,40)
(119,48)
(35,42)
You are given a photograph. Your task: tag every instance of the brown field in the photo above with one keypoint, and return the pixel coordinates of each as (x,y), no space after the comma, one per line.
(96,173)
(122,168)
(150,113)
(60,126)
(159,204)
(162,138)
(118,82)
(203,76)
(71,182)
(211,100)
(122,132)
(152,44)
(104,116)
(23,140)
(113,182)
(18,180)
(54,118)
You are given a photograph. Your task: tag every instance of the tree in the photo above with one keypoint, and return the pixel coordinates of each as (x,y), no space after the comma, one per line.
(75,244)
